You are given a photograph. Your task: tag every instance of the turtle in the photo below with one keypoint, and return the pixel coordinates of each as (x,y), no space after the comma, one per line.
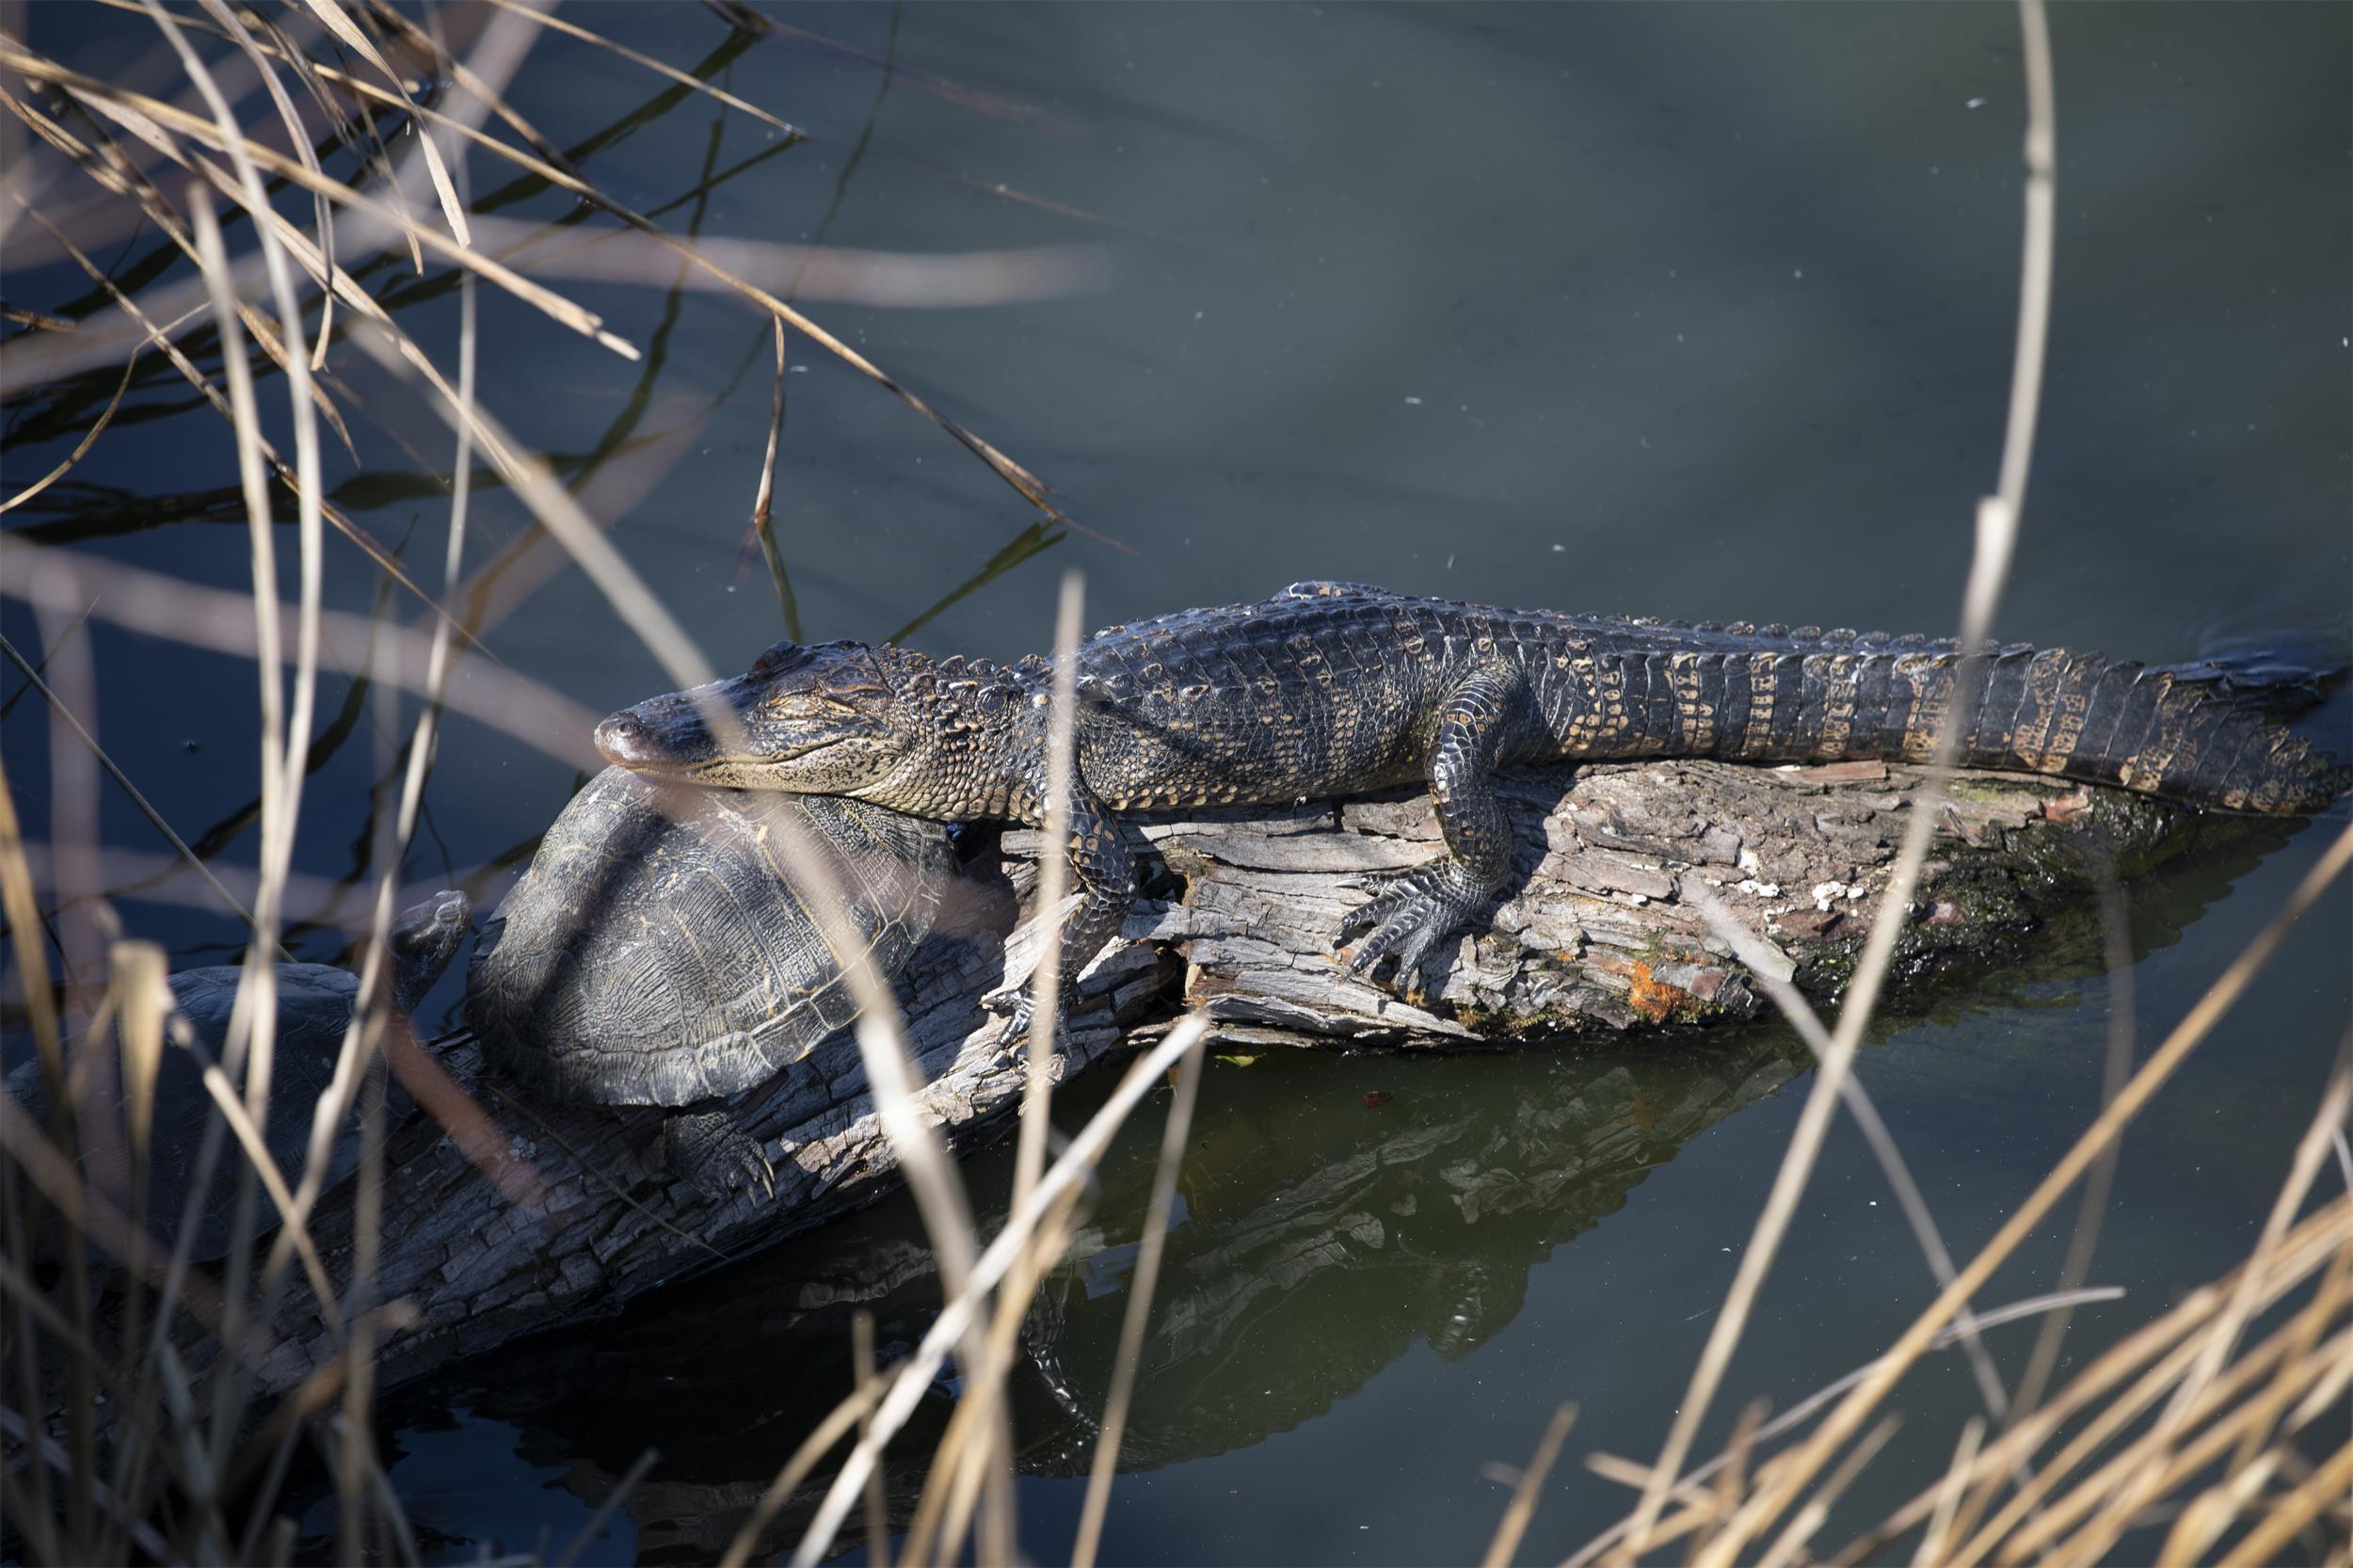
(314,1007)
(660,952)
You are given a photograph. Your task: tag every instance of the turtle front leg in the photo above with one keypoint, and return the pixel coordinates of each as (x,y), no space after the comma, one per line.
(711,1149)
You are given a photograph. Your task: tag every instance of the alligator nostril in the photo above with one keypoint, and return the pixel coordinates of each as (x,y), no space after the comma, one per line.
(621,738)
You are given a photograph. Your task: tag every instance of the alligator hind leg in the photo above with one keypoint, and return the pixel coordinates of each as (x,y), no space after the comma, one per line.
(1414,910)
(711,1149)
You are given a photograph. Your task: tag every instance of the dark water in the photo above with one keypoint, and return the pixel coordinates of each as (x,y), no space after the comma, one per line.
(1686,310)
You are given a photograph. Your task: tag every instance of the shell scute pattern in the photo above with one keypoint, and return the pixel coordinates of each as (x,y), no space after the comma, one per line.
(657,952)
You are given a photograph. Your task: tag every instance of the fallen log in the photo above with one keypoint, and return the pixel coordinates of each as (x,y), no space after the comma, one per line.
(1599,935)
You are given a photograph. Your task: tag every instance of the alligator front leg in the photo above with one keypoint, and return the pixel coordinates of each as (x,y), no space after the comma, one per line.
(1414,910)
(1107,878)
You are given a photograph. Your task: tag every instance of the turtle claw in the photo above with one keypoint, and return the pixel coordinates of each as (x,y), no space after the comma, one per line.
(715,1156)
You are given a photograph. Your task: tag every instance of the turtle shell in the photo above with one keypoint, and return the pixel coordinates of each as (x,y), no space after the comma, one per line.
(660,950)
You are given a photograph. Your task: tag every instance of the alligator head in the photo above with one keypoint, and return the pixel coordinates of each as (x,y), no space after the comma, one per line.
(825,720)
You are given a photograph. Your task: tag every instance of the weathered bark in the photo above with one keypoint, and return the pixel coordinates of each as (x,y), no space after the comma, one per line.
(1598,935)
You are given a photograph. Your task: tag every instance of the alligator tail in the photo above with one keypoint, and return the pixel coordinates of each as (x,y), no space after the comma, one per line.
(2185,732)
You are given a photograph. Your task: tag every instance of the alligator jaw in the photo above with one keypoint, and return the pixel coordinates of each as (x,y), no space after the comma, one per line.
(712,736)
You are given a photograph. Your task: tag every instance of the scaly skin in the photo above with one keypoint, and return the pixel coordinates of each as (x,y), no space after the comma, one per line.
(1334,688)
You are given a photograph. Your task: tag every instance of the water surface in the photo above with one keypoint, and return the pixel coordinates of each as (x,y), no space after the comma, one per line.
(1686,310)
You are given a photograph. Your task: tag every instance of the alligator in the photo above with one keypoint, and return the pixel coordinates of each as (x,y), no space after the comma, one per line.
(1335,688)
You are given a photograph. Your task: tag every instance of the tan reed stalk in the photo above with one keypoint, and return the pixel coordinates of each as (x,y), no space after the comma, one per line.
(693,84)
(89,437)
(157,605)
(323,215)
(2165,1346)
(868,1390)
(129,108)
(1149,1248)
(1752,950)
(2160,1067)
(160,338)
(1931,1548)
(358,42)
(915,1373)
(114,771)
(2222,1335)
(1513,1526)
(1688,1489)
(1997,524)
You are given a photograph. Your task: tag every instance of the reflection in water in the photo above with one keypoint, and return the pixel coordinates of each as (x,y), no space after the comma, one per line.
(1318,1237)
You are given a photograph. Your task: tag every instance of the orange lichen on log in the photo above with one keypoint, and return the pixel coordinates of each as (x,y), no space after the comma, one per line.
(1655,998)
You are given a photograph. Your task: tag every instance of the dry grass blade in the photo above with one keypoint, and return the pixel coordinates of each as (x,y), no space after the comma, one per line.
(1053,880)
(322,214)
(885,280)
(37,321)
(102,160)
(81,449)
(2116,938)
(556,508)
(1931,1548)
(358,42)
(1997,520)
(114,771)
(96,1139)
(2160,1067)
(129,107)
(1733,1454)
(1809,1519)
(1793,1006)
(2222,1336)
(253,1015)
(852,1411)
(1150,1247)
(764,499)
(2166,1348)
(159,337)
(915,1373)
(2326,1488)
(1513,1524)
(264,1165)
(869,1390)
(189,613)
(1732,1480)
(612,1499)
(694,84)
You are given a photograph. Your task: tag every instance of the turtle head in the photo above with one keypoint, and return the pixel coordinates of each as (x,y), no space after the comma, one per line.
(423,941)
(825,720)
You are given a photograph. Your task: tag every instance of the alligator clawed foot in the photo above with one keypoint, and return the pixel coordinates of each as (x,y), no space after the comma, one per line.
(1016,1005)
(1407,918)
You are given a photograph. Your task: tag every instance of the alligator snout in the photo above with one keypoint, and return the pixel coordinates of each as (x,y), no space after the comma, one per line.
(625,738)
